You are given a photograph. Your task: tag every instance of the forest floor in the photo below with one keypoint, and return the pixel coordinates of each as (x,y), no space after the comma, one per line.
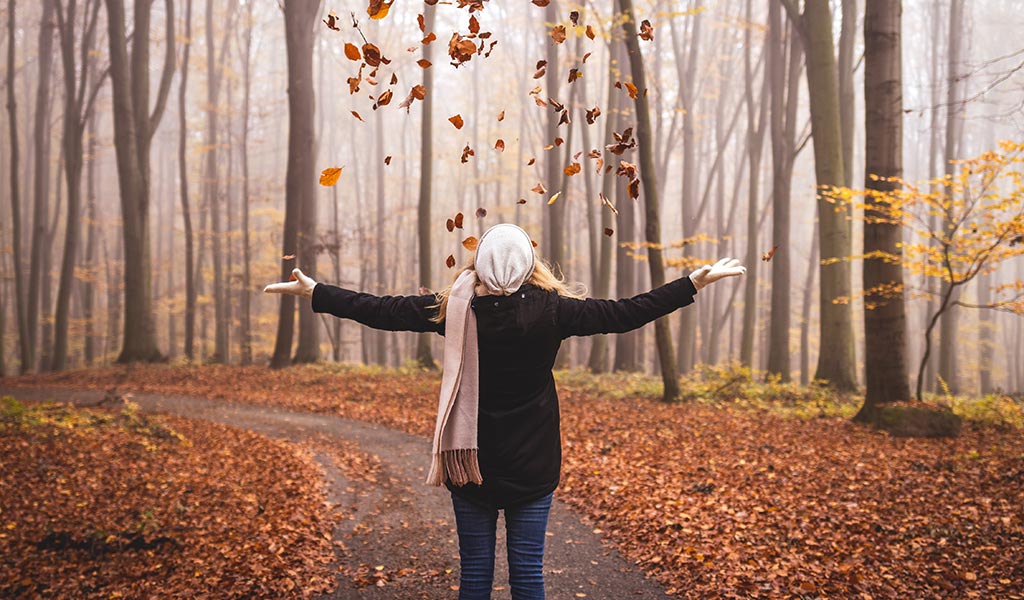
(731,499)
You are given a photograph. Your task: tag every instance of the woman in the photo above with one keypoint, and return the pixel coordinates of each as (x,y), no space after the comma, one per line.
(496,439)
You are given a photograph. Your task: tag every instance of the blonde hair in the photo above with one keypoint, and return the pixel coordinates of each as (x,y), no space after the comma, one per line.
(542,277)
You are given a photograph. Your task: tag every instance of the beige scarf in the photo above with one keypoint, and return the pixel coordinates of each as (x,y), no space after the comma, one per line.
(503,263)
(454,455)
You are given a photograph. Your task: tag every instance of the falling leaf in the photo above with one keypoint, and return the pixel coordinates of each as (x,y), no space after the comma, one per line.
(457,122)
(534,243)
(590,32)
(533,159)
(634,189)
(418,92)
(574,18)
(554,198)
(372,55)
(378,9)
(605,201)
(459,217)
(481,212)
(450,224)
(383,99)
(461,49)
(585,57)
(430,37)
(624,141)
(539,189)
(356,115)
(450,261)
(767,256)
(421,22)
(574,74)
(330,176)
(394,78)
(290,257)
(466,153)
(474,25)
(352,51)
(424,63)
(631,89)
(558,34)
(499,145)
(387,160)
(572,169)
(331,21)
(593,114)
(559,141)
(646,30)
(521,201)
(501,116)
(469,243)
(542,3)
(608,231)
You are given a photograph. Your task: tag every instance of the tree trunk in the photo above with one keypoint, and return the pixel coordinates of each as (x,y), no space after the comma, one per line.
(246,341)
(836,358)
(885,324)
(648,180)
(134,126)
(785,96)
(554,236)
(89,287)
(24,341)
(954,128)
(41,174)
(424,356)
(191,294)
(299,17)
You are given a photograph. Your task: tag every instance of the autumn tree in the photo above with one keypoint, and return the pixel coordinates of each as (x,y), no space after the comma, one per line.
(424,356)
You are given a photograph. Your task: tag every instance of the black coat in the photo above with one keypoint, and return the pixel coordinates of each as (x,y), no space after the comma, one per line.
(518,335)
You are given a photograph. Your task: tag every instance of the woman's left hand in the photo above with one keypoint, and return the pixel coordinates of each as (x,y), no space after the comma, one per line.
(302,285)
(727,267)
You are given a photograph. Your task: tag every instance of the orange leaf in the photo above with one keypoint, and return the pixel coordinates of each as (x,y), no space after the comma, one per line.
(469,243)
(456,121)
(330,176)
(352,51)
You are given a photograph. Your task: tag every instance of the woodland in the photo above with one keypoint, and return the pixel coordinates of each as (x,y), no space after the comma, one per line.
(164,160)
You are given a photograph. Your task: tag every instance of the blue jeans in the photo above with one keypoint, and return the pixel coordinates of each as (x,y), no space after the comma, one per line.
(525,528)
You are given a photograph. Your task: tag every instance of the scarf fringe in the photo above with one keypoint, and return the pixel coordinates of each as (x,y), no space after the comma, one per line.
(460,466)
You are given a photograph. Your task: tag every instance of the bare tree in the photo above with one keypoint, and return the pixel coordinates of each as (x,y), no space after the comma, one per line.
(423,222)
(134,126)
(648,179)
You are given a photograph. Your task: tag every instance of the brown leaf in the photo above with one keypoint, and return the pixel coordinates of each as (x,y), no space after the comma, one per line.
(539,189)
(501,116)
(330,176)
(558,34)
(470,243)
(356,115)
(456,121)
(331,21)
(590,32)
(574,74)
(605,201)
(631,89)
(532,160)
(461,49)
(450,261)
(378,9)
(352,52)
(423,63)
(459,217)
(481,212)
(572,169)
(387,160)
(767,256)
(430,37)
(585,57)
(372,55)
(450,224)
(608,231)
(542,3)
(646,30)
(384,99)
(466,153)
(499,145)
(421,23)
(574,18)
(593,114)
(521,201)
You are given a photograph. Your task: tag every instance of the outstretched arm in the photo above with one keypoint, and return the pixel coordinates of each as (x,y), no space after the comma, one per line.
(591,316)
(391,313)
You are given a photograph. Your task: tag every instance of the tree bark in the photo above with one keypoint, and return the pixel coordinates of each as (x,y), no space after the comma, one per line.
(424,355)
(134,126)
(648,180)
(884,325)
(299,17)
(836,357)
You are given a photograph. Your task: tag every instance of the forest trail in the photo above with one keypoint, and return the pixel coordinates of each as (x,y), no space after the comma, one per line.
(398,522)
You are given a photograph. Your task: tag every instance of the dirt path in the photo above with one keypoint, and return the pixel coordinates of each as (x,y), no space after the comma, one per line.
(398,523)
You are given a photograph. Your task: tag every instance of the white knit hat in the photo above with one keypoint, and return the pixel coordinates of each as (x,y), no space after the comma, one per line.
(504,258)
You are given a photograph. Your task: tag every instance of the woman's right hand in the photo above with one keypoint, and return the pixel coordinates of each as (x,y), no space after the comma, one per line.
(300,285)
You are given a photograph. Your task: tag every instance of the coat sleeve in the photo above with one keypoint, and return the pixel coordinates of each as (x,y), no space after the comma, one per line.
(391,313)
(590,316)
